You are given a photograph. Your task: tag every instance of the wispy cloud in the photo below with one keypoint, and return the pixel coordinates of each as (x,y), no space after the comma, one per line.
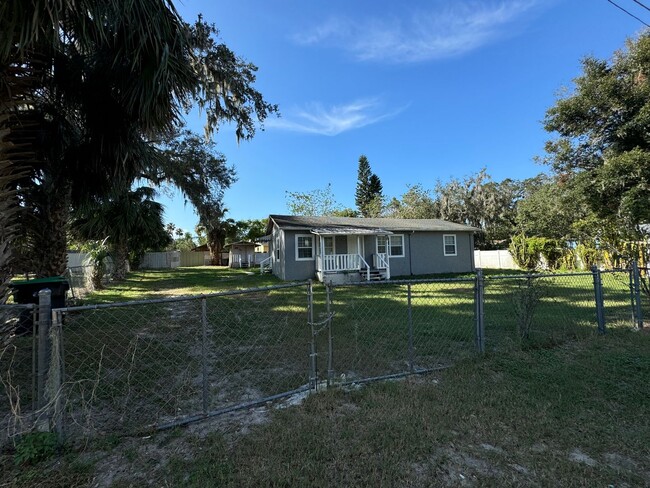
(330,121)
(451,30)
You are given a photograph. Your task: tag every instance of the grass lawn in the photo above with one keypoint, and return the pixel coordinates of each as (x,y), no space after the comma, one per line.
(574,415)
(161,283)
(551,399)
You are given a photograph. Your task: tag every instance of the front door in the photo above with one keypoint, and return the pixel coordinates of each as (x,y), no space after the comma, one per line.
(353,245)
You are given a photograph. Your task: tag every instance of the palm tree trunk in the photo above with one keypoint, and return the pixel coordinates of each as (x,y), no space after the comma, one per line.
(49,232)
(120,261)
(8,210)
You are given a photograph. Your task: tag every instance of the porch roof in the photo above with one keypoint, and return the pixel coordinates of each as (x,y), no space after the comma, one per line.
(347,230)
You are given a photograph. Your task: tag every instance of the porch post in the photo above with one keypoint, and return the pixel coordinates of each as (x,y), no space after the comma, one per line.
(321,254)
(359,250)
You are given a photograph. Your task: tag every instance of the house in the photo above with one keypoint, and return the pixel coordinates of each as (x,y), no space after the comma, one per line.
(241,254)
(347,249)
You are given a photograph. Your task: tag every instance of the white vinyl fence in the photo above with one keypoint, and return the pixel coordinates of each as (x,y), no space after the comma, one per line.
(160,260)
(191,258)
(501,259)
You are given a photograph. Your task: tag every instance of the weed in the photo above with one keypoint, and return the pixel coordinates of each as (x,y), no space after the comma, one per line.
(35,447)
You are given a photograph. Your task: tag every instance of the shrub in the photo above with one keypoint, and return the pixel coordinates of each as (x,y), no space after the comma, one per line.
(525,256)
(588,254)
(35,447)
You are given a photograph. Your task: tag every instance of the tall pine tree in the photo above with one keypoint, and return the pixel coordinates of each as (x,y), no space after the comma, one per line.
(368,197)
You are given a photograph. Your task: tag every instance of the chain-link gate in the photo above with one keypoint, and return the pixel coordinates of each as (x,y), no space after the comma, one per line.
(161,363)
(366,332)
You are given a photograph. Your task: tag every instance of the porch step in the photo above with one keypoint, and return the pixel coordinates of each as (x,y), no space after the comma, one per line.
(375,275)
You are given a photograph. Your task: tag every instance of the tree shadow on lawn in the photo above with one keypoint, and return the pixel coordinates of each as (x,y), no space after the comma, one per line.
(160,283)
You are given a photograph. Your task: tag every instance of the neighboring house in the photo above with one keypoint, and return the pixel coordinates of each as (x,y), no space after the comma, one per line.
(346,249)
(241,254)
(263,244)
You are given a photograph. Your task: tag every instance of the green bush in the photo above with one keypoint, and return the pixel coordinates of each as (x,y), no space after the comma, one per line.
(527,252)
(588,254)
(35,447)
(525,256)
(550,249)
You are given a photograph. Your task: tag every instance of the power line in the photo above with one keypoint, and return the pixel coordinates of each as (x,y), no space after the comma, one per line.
(628,13)
(639,3)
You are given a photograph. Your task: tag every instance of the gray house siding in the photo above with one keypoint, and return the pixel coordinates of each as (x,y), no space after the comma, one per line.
(297,270)
(428,247)
(423,252)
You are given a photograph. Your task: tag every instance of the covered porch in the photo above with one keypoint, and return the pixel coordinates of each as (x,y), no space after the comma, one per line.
(348,254)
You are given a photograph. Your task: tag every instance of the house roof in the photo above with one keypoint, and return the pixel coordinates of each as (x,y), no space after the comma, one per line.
(240,244)
(381,225)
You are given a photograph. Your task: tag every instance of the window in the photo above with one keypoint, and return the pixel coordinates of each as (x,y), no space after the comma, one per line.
(396,246)
(449,242)
(391,245)
(277,247)
(328,245)
(304,247)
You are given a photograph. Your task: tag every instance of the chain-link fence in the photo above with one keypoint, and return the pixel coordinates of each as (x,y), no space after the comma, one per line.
(18,348)
(538,310)
(388,328)
(160,363)
(135,366)
(81,278)
(644,286)
(618,297)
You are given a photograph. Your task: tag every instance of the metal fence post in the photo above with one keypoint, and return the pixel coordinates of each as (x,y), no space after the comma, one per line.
(410,326)
(637,295)
(479,314)
(313,380)
(204,357)
(598,295)
(330,342)
(632,296)
(43,358)
(53,391)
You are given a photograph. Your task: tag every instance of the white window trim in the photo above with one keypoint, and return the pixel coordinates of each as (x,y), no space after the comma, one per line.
(388,246)
(444,246)
(313,239)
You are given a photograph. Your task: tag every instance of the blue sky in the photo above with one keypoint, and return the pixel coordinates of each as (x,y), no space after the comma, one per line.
(427,90)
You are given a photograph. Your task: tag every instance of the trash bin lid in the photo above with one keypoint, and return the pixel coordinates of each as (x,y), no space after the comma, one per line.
(50,279)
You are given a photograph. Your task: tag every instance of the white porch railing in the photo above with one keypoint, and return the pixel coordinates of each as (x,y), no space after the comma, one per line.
(351,262)
(339,262)
(242,260)
(381,261)
(265,264)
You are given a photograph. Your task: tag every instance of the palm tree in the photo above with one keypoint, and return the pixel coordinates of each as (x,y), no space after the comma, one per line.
(108,77)
(128,221)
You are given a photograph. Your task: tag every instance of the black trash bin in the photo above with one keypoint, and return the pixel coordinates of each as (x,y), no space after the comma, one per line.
(26,291)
